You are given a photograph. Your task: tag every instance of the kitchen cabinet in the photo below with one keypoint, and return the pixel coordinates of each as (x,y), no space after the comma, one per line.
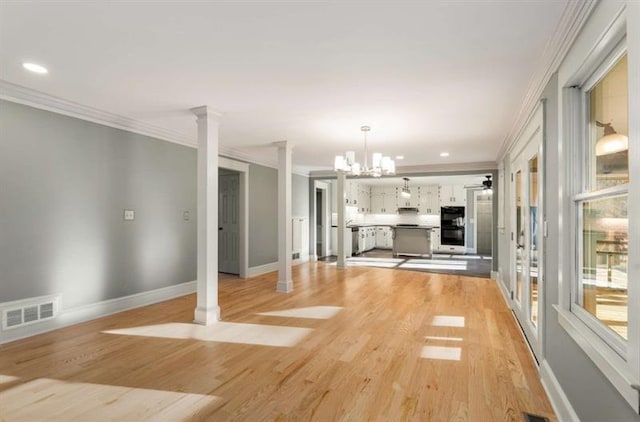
(351,192)
(435,240)
(383,238)
(347,241)
(383,200)
(364,199)
(366,239)
(453,195)
(412,202)
(429,200)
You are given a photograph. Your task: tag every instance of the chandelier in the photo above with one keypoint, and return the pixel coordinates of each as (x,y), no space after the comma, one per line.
(380,165)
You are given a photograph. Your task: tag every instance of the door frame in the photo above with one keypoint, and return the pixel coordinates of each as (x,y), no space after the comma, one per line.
(243,220)
(530,143)
(324,187)
(476,193)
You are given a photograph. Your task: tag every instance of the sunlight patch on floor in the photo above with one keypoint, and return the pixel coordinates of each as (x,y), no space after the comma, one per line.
(64,400)
(223,332)
(356,263)
(5,379)
(441,353)
(365,259)
(447,321)
(312,312)
(435,338)
(428,266)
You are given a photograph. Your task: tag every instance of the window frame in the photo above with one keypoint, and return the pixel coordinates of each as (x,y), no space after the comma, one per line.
(617,360)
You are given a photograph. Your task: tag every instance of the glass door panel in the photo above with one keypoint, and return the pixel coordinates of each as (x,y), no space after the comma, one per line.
(534,240)
(520,243)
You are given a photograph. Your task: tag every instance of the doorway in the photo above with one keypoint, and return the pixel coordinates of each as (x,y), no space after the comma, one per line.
(484,223)
(228,221)
(526,245)
(322,219)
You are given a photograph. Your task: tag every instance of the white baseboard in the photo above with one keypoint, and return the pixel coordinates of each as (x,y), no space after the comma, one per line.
(83,313)
(495,275)
(273,266)
(303,258)
(559,401)
(262,269)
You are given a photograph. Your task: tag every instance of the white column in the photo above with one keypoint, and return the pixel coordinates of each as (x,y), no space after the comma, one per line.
(342,208)
(285,241)
(207,310)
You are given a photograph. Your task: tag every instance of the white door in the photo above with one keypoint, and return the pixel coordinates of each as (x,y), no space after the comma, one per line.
(526,250)
(228,227)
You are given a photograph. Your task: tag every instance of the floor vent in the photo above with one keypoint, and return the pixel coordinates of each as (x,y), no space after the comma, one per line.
(29,311)
(528,417)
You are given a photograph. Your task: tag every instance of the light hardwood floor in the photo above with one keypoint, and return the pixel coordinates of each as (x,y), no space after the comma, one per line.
(387,345)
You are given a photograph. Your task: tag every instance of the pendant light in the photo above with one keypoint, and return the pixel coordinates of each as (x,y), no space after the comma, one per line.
(611,142)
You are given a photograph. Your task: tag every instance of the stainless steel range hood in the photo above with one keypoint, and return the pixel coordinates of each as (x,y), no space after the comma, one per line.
(408,210)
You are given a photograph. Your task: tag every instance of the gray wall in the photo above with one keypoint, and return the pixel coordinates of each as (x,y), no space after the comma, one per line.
(263,215)
(300,197)
(64,184)
(591,395)
(263,211)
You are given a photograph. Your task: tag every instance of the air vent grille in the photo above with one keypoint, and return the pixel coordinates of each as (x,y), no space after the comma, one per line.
(30,314)
(14,318)
(28,311)
(46,310)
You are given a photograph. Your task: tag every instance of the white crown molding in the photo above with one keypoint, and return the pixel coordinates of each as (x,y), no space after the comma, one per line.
(428,169)
(40,100)
(573,19)
(27,96)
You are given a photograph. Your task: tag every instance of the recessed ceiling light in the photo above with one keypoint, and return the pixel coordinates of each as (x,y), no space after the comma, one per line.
(35,68)
(399,157)
(444,154)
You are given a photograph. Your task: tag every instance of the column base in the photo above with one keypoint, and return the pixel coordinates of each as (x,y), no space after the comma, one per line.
(284,286)
(206,316)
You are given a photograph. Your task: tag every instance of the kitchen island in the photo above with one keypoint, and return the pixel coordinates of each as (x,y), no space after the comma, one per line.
(412,240)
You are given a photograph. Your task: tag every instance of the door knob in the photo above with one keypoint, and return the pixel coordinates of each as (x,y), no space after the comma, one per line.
(220,228)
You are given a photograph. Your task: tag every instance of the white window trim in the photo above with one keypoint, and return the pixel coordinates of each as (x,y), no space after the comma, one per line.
(586,330)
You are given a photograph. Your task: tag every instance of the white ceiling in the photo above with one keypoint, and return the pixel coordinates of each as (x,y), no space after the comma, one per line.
(427,76)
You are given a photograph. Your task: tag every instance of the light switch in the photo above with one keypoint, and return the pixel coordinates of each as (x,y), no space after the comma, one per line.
(186,216)
(129,215)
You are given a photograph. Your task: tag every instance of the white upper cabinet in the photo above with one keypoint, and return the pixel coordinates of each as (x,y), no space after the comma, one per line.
(453,195)
(364,199)
(383,200)
(429,202)
(413,201)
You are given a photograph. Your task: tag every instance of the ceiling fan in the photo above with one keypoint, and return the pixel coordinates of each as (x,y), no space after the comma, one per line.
(486,185)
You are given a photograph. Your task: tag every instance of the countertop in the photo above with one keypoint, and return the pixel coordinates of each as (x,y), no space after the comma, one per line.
(390,225)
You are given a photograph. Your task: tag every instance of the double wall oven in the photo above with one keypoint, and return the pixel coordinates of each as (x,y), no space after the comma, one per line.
(452,226)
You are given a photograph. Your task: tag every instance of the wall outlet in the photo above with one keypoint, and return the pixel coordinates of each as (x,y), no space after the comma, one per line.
(129,215)
(186,216)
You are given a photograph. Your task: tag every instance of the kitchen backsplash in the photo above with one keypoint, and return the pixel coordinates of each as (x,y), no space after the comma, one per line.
(353,217)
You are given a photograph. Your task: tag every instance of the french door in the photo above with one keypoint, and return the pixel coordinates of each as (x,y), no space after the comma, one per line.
(527,243)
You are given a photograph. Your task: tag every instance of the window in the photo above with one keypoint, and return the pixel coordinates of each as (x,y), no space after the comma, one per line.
(599,271)
(601,294)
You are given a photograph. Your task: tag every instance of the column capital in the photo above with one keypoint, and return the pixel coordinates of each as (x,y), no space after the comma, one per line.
(283,144)
(206,112)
